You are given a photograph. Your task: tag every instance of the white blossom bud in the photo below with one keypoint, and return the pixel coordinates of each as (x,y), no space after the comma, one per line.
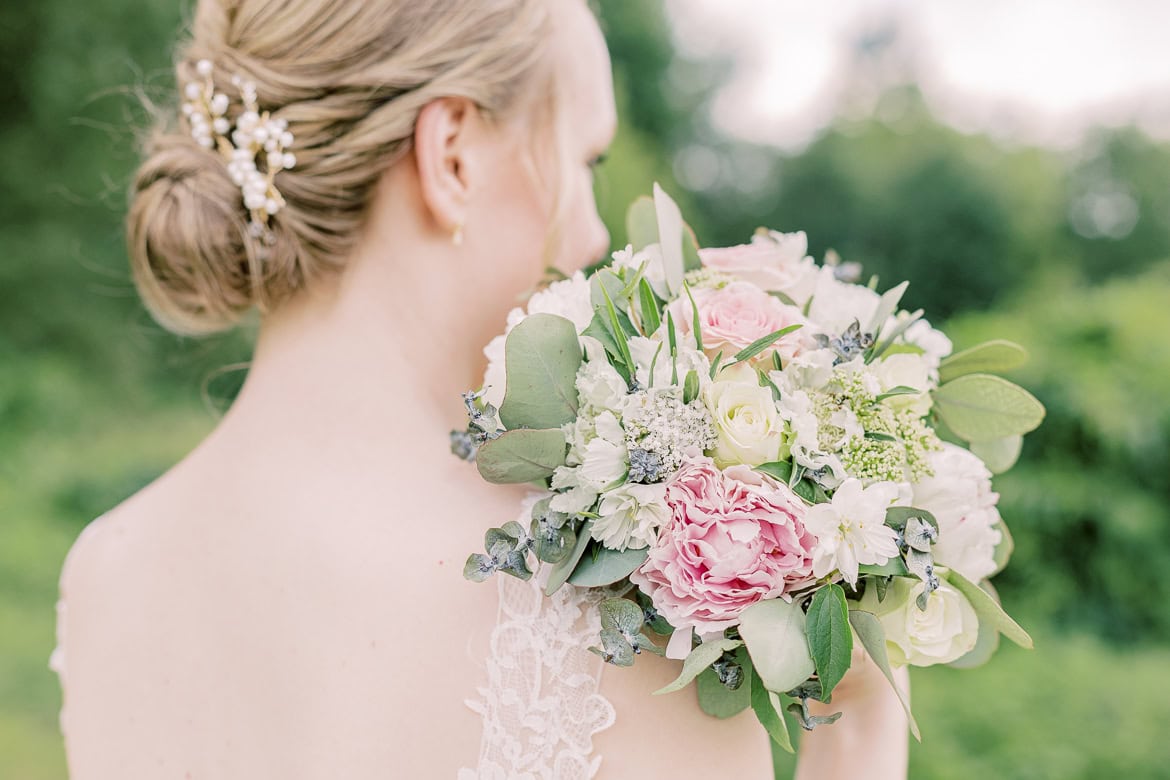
(203,68)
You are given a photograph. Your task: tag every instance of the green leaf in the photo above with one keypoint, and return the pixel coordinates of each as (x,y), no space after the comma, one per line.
(672,339)
(691,259)
(999,455)
(992,357)
(781,470)
(691,387)
(522,455)
(699,659)
(766,704)
(887,343)
(829,638)
(715,365)
(1003,550)
(873,638)
(774,633)
(719,701)
(651,320)
(887,305)
(898,516)
(642,223)
(895,392)
(620,337)
(670,238)
(766,381)
(987,609)
(697,331)
(607,567)
(541,358)
(982,407)
(762,343)
(986,643)
(559,574)
(622,615)
(875,436)
(895,567)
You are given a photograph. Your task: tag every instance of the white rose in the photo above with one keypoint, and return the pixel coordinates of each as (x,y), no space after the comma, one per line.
(747,425)
(630,516)
(905,370)
(960,497)
(944,631)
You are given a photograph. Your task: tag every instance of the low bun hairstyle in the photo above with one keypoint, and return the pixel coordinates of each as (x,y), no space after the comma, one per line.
(350,77)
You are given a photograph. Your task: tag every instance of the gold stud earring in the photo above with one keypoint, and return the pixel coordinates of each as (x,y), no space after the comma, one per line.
(457,235)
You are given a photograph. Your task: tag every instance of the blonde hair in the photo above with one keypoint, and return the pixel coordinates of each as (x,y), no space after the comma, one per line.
(350,77)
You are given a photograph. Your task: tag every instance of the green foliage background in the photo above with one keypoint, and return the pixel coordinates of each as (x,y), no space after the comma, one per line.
(95,400)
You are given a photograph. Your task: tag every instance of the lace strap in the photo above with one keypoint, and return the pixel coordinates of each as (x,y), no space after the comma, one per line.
(541,705)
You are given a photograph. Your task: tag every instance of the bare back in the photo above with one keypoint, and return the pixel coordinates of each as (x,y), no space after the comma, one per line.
(297,609)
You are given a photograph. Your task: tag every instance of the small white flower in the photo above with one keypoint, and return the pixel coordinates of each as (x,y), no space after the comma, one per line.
(655,273)
(851,530)
(631,516)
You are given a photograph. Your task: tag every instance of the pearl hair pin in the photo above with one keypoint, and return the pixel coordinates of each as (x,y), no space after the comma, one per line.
(254,133)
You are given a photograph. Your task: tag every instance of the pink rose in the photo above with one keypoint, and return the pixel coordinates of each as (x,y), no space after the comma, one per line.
(737,314)
(734,537)
(775,262)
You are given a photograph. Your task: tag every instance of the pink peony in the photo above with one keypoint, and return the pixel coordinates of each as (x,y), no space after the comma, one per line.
(737,314)
(734,537)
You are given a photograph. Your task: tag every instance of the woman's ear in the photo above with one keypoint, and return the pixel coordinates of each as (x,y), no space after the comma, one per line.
(441,136)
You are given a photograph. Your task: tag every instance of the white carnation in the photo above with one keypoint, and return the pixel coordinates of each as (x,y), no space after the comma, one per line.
(630,516)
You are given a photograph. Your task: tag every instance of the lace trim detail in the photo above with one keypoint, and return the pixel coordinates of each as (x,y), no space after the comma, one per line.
(541,707)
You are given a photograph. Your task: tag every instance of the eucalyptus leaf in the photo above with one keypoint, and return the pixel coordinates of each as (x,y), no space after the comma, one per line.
(559,574)
(873,638)
(766,705)
(992,357)
(608,567)
(829,638)
(719,701)
(642,223)
(999,455)
(670,238)
(986,643)
(614,648)
(521,455)
(541,358)
(988,609)
(774,633)
(699,659)
(622,615)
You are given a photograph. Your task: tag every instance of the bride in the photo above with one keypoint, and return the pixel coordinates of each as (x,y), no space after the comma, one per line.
(288,600)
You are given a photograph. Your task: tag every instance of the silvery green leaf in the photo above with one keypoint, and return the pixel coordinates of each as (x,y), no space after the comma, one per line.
(552,544)
(560,572)
(478,567)
(873,638)
(514,531)
(919,534)
(516,564)
(621,615)
(921,565)
(987,609)
(541,358)
(807,720)
(898,516)
(999,455)
(699,659)
(982,407)
(653,619)
(522,456)
(642,642)
(883,584)
(614,648)
(720,701)
(642,223)
(607,567)
(774,633)
(992,357)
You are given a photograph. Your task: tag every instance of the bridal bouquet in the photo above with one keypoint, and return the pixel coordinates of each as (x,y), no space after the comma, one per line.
(765,461)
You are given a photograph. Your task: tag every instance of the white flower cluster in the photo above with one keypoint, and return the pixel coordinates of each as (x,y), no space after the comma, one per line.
(254,132)
(660,428)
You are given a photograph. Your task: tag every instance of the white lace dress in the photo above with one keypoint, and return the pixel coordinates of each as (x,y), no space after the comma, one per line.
(541,705)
